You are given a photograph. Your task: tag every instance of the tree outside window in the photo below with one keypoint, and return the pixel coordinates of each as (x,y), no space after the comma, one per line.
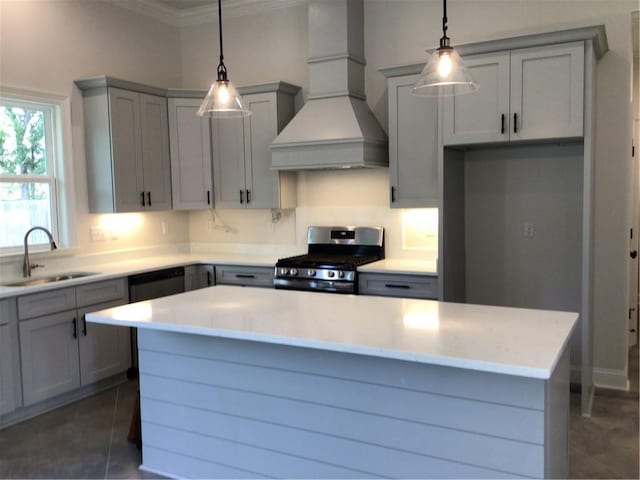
(27,176)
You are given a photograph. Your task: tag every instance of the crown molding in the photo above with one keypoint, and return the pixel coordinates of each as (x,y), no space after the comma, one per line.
(205,14)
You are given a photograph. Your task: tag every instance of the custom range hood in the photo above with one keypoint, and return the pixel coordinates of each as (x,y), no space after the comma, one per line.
(335,128)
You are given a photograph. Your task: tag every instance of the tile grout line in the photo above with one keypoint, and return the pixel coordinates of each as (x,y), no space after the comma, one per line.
(113,426)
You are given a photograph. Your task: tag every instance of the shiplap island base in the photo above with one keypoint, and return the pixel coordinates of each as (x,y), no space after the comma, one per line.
(239,383)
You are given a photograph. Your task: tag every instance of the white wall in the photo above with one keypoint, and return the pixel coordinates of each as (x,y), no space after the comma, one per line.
(397,32)
(46,45)
(73,39)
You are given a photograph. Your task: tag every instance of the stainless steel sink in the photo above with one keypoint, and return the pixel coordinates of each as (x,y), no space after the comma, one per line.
(53,278)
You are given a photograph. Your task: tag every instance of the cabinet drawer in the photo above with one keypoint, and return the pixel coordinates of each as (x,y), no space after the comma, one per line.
(245,276)
(406,286)
(100,292)
(45,303)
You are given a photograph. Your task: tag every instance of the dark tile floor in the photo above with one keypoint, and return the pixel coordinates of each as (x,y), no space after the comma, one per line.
(88,439)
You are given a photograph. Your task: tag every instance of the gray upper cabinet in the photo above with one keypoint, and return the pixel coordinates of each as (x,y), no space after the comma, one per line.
(127,146)
(413,144)
(241,155)
(525,94)
(10,389)
(190,141)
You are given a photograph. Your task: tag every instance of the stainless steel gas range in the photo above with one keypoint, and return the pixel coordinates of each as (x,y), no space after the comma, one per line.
(334,254)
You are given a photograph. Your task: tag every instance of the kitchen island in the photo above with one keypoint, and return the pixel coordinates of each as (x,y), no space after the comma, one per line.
(249,383)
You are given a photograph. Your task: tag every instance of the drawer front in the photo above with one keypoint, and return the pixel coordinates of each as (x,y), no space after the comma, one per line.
(405,286)
(45,303)
(245,276)
(7,310)
(100,292)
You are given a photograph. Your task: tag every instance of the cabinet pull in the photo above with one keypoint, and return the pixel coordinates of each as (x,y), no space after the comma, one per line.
(245,275)
(395,285)
(149,198)
(208,278)
(84,325)
(241,197)
(393,194)
(142,199)
(248,196)
(515,123)
(502,124)
(208,197)
(74,322)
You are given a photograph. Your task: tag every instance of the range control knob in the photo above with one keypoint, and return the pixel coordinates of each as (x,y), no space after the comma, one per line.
(293,271)
(311,272)
(341,274)
(283,271)
(331,274)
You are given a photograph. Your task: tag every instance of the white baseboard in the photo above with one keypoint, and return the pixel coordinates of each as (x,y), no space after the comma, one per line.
(608,378)
(603,378)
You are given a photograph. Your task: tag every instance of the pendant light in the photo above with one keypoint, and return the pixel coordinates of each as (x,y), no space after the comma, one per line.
(445,74)
(223,99)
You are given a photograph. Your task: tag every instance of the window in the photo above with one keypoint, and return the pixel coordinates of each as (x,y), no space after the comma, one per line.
(31,169)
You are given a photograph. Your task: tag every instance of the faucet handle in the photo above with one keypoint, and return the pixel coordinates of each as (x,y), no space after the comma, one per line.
(36,265)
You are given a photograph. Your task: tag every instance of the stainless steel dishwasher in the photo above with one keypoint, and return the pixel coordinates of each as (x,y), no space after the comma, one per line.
(146,286)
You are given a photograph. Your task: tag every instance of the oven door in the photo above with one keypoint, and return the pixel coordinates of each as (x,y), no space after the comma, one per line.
(312,285)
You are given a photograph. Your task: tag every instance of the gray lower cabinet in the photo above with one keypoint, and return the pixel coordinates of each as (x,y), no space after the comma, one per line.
(398,285)
(49,352)
(10,392)
(105,350)
(242,172)
(244,276)
(59,352)
(413,143)
(198,276)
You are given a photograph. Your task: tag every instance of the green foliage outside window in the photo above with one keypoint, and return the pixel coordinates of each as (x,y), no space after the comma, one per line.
(22,149)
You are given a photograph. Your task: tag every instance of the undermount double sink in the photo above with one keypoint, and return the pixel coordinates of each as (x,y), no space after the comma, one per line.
(51,279)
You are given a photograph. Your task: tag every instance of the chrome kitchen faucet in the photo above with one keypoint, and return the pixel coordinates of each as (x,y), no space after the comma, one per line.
(27,266)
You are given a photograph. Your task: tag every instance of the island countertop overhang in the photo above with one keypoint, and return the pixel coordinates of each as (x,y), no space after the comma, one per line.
(520,342)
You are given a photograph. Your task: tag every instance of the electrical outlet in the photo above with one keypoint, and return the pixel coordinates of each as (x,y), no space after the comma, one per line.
(529,230)
(97,234)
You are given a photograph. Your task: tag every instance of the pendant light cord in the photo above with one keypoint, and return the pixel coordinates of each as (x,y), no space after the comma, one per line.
(444,41)
(222,69)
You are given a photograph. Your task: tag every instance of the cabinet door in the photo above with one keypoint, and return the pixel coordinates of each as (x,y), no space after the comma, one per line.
(482,116)
(547,89)
(49,353)
(228,162)
(126,149)
(413,146)
(190,142)
(10,394)
(105,350)
(261,128)
(198,276)
(156,166)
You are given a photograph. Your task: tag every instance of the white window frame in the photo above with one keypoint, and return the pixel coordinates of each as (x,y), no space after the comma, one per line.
(59,164)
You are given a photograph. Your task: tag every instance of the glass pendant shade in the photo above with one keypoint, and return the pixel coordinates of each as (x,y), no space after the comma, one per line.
(445,74)
(223,100)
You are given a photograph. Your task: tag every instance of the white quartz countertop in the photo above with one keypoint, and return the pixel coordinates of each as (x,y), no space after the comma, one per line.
(493,339)
(401,267)
(106,271)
